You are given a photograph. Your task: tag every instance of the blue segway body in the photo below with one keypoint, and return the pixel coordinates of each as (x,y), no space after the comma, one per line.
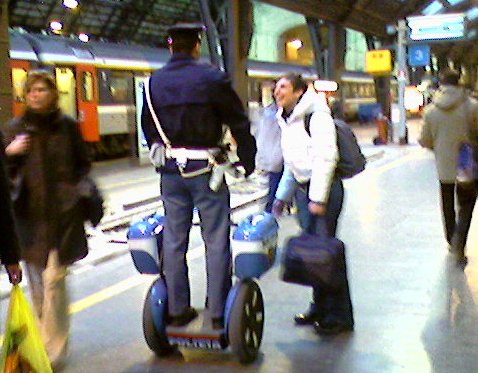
(254,245)
(145,239)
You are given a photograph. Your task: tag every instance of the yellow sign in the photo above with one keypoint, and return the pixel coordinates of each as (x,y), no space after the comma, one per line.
(378,62)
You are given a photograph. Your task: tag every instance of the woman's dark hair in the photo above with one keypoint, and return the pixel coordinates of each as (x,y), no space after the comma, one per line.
(298,83)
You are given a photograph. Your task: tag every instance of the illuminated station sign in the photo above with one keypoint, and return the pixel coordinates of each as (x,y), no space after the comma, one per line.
(437,27)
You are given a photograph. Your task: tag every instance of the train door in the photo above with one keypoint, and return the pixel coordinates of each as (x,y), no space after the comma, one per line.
(19,76)
(66,84)
(87,99)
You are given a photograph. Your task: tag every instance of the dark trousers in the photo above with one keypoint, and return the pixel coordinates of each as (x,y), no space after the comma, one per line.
(179,196)
(274,178)
(456,230)
(330,305)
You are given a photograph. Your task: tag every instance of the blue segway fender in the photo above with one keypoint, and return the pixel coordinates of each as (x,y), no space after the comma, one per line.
(159,304)
(231,297)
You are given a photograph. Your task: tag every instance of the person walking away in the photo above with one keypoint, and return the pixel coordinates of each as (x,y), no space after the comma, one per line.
(445,126)
(9,246)
(46,160)
(192,101)
(309,171)
(269,153)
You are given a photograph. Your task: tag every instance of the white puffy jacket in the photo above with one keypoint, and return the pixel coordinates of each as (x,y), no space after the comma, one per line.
(307,157)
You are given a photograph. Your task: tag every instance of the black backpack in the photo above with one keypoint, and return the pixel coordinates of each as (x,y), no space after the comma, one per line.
(351,160)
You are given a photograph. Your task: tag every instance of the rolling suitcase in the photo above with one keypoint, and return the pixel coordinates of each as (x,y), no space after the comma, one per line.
(313,260)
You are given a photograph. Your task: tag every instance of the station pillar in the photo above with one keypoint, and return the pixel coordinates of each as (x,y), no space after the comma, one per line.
(230,25)
(335,52)
(238,46)
(5,77)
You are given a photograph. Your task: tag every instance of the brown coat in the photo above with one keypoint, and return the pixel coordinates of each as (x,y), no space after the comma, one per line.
(9,247)
(44,188)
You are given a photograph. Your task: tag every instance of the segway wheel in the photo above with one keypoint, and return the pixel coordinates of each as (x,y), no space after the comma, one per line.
(246,322)
(156,340)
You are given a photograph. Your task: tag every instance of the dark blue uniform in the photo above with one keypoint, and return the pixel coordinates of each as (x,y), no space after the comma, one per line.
(193,101)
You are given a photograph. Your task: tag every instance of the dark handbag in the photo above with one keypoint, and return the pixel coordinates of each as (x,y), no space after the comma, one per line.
(92,200)
(313,260)
(467,165)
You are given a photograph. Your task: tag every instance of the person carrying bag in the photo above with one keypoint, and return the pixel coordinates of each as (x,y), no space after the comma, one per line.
(310,175)
(450,128)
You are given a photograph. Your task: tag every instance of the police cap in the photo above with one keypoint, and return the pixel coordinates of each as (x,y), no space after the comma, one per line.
(186,29)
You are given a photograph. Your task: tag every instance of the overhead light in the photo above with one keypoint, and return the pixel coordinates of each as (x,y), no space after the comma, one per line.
(296,43)
(72,4)
(325,85)
(56,26)
(84,37)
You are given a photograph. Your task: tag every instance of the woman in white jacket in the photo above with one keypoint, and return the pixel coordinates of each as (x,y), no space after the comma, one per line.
(309,174)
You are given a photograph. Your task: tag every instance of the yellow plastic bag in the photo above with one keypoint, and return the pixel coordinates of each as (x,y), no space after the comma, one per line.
(22,350)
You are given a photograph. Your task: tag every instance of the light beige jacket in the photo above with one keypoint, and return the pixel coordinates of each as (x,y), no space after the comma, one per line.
(445,125)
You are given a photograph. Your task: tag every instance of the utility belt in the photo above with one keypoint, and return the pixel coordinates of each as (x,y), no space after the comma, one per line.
(161,153)
(161,157)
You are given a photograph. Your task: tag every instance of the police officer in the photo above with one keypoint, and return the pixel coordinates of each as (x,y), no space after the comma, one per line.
(192,101)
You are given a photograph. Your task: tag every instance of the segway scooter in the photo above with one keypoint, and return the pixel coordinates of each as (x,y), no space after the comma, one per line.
(254,245)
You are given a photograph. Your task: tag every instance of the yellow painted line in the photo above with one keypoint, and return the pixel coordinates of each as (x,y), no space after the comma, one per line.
(123,286)
(108,293)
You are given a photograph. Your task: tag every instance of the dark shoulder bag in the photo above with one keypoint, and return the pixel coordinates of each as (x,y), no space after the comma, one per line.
(91,196)
(351,159)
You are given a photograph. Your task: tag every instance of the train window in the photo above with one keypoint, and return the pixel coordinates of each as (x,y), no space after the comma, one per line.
(119,89)
(19,77)
(87,86)
(346,89)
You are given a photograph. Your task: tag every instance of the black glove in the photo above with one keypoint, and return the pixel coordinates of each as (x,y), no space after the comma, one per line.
(249,170)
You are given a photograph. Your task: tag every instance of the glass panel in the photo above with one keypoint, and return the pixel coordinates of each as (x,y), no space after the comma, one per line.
(280,36)
(356,47)
(87,86)
(19,76)
(454,2)
(472,13)
(119,89)
(433,8)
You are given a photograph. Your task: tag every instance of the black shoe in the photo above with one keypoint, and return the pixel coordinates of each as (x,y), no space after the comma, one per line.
(307,318)
(217,323)
(332,328)
(184,318)
(462,261)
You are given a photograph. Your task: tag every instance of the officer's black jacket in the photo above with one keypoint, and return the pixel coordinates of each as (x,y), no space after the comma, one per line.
(192,101)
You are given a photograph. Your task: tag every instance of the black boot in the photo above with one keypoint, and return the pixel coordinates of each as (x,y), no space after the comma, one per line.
(309,317)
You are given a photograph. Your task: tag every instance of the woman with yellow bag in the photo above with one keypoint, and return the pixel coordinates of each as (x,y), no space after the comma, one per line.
(47,159)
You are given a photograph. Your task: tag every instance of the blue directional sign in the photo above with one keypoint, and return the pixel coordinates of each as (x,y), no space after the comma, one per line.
(418,55)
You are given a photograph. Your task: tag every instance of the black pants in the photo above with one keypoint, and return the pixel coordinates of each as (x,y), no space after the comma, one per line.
(456,230)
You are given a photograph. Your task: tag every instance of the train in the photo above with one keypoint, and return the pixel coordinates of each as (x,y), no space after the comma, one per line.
(100,84)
